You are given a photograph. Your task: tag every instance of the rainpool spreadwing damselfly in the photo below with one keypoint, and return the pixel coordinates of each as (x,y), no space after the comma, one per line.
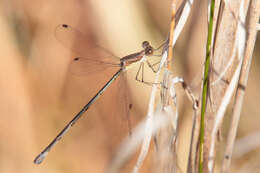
(125,63)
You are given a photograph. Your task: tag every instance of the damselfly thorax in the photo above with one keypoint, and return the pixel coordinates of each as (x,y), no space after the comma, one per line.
(136,57)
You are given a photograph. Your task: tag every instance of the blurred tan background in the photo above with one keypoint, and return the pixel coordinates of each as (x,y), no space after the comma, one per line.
(39,95)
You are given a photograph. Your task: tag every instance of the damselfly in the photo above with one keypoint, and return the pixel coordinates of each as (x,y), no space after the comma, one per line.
(124,64)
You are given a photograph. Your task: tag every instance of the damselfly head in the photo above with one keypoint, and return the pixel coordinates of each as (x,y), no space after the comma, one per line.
(148,49)
(145,44)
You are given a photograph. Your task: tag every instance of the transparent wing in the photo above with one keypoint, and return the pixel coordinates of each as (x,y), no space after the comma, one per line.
(125,101)
(85,66)
(89,56)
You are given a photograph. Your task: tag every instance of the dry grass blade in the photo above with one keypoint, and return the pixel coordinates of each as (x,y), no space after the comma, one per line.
(130,144)
(172,40)
(229,43)
(149,121)
(253,17)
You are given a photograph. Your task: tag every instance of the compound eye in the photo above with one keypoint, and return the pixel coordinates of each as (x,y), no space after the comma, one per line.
(145,44)
(149,51)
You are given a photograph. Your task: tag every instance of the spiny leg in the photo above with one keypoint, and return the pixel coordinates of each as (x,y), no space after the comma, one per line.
(142,72)
(152,66)
(137,74)
(141,67)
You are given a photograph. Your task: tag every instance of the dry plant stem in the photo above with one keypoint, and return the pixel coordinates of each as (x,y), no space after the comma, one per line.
(239,45)
(192,160)
(130,144)
(216,19)
(253,17)
(171,133)
(225,42)
(180,22)
(178,28)
(167,136)
(172,26)
(149,127)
